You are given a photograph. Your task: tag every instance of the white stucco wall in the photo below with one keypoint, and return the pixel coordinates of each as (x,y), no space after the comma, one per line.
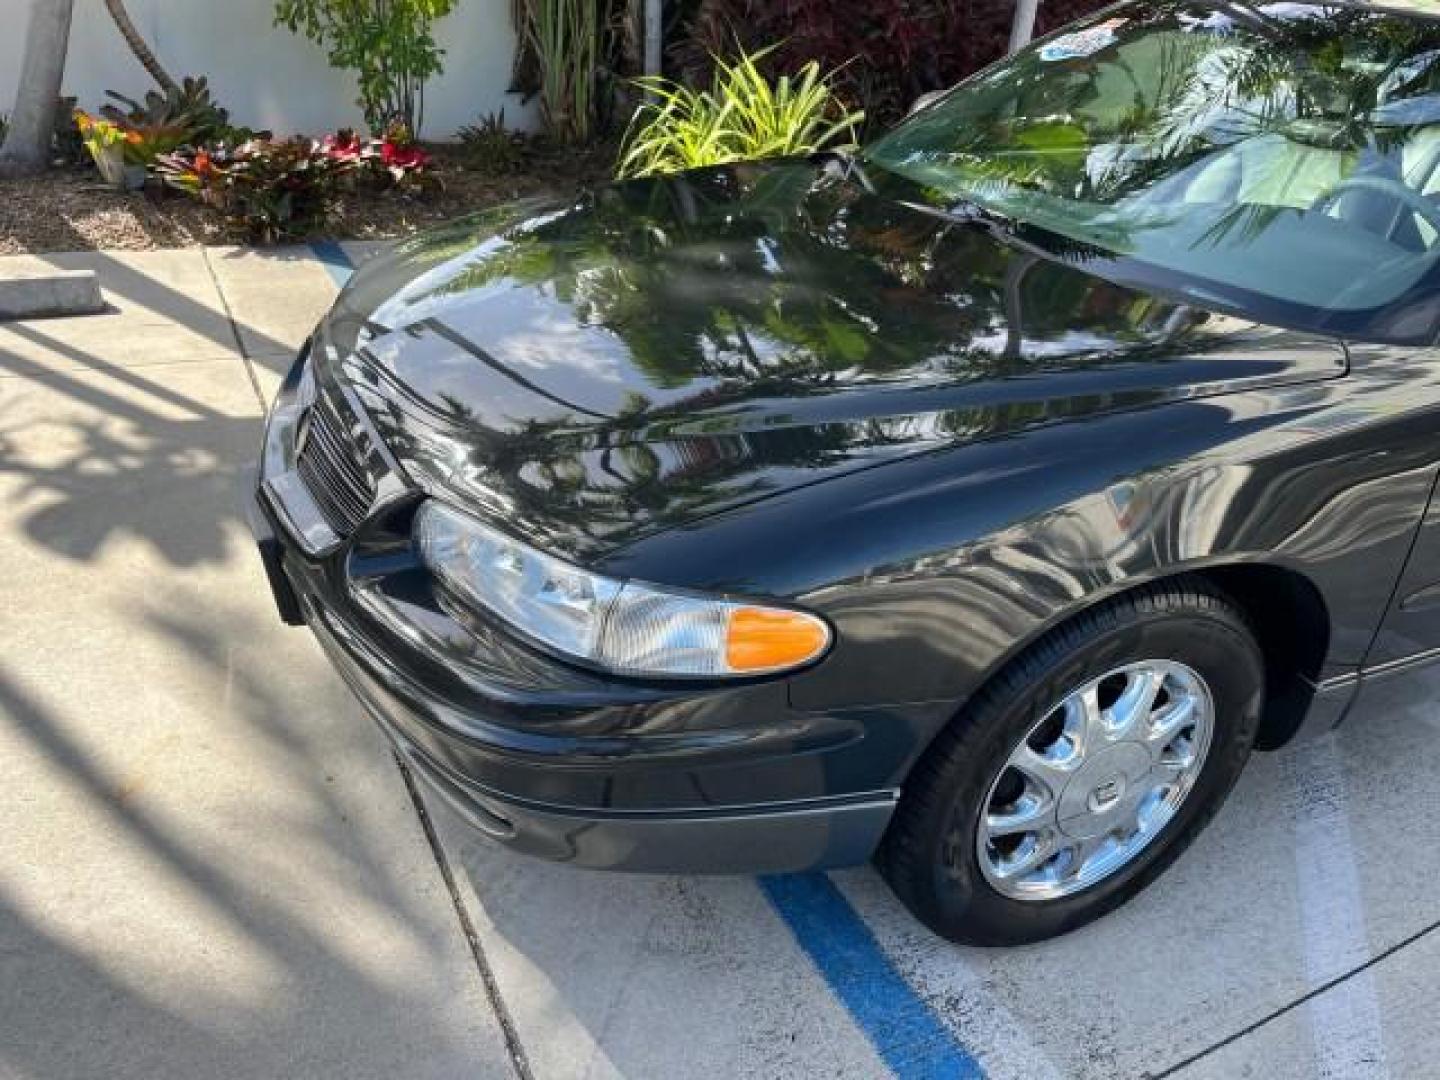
(266,76)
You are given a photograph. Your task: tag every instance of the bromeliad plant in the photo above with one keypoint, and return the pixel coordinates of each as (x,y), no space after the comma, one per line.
(267,190)
(490,147)
(188,108)
(272,190)
(99,135)
(392,161)
(124,146)
(742,116)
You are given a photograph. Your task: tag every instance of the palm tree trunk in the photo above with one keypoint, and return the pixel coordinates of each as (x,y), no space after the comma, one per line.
(1023,28)
(654,32)
(137,45)
(32,122)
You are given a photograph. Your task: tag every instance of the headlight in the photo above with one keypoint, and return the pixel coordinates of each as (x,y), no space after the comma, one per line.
(624,626)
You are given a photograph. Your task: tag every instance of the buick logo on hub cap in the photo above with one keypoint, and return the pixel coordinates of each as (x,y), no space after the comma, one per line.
(1108,793)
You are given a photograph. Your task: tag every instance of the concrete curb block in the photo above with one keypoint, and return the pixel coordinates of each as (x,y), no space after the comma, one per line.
(50,294)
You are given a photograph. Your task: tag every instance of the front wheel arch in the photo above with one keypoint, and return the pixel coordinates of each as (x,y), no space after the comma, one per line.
(1292,624)
(1286,612)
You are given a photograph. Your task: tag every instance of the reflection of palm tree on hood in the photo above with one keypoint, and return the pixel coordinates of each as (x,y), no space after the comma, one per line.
(703,281)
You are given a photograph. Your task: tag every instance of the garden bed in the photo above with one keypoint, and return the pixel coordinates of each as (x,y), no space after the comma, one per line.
(71,209)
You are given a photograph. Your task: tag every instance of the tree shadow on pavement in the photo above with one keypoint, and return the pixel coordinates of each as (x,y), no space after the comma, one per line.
(212,866)
(248,919)
(129,452)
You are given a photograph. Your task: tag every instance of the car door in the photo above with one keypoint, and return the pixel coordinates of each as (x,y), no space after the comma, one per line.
(1409,635)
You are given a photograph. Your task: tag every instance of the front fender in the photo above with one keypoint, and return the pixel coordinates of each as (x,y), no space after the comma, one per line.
(936,569)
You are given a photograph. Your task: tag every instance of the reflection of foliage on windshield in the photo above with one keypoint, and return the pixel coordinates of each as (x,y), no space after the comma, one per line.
(1324,78)
(1180,82)
(1228,143)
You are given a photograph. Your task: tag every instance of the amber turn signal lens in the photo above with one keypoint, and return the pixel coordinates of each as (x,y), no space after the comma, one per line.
(760,639)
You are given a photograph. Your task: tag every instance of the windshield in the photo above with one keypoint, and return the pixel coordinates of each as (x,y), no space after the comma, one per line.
(1278,152)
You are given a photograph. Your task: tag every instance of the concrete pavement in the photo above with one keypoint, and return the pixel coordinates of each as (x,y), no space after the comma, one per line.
(212,866)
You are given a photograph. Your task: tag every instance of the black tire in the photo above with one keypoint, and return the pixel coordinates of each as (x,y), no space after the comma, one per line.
(941,881)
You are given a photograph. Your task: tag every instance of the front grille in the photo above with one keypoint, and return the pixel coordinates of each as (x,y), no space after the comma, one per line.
(328,465)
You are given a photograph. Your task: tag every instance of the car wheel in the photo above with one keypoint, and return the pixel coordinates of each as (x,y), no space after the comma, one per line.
(1082,770)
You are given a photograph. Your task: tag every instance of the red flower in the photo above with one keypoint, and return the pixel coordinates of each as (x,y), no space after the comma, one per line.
(403,157)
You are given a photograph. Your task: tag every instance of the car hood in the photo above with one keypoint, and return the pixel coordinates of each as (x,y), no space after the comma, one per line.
(661,350)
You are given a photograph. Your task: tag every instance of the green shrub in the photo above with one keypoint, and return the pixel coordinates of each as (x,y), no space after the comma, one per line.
(387,43)
(742,116)
(490,147)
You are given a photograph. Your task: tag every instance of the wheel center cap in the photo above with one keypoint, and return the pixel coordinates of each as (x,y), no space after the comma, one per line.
(1091,799)
(1106,795)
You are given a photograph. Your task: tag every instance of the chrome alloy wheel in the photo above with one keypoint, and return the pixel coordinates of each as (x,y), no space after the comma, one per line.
(1095,781)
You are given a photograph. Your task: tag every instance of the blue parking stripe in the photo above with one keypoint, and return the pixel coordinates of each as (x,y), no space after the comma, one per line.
(907,1034)
(332,256)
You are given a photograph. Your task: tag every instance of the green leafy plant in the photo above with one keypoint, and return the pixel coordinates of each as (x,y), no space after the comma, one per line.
(565,37)
(189,108)
(268,190)
(144,143)
(490,147)
(742,116)
(387,43)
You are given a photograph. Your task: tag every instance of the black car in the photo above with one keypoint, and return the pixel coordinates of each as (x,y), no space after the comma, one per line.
(975,502)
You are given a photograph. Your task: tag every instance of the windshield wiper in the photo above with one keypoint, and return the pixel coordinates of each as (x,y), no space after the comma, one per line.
(847,166)
(962,211)
(969,212)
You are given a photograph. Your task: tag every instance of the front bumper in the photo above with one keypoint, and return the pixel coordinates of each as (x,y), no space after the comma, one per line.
(753,839)
(575,766)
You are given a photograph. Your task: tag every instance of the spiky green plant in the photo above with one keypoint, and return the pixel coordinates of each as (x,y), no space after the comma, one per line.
(490,147)
(741,117)
(566,38)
